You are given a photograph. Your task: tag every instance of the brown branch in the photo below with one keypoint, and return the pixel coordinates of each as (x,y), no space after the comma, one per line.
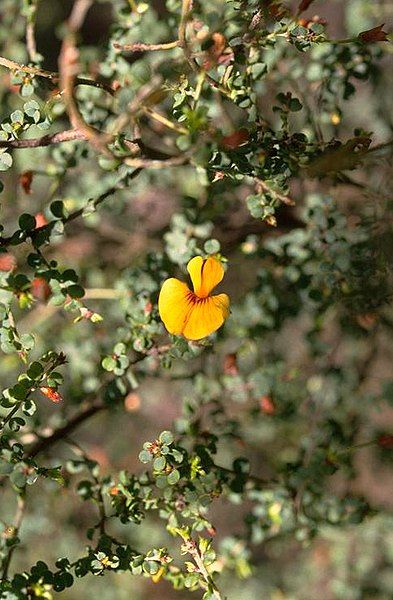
(91,409)
(185,15)
(68,68)
(30,41)
(46,140)
(6,241)
(180,42)
(78,14)
(52,75)
(154,158)
(58,138)
(58,434)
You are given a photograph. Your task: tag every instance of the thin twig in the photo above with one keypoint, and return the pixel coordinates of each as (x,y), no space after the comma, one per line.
(266,188)
(6,241)
(380,146)
(68,70)
(104,294)
(19,514)
(30,41)
(100,498)
(120,185)
(58,434)
(141,163)
(142,47)
(52,75)
(163,120)
(8,417)
(192,548)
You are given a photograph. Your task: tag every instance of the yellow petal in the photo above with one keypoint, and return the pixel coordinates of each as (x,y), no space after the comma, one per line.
(206,316)
(174,305)
(205,274)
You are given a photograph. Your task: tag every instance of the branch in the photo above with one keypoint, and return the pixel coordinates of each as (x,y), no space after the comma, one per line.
(141,47)
(6,241)
(19,514)
(58,434)
(8,417)
(84,414)
(30,41)
(141,163)
(66,136)
(78,14)
(266,188)
(191,547)
(52,75)
(180,42)
(68,69)
(46,140)
(100,199)
(380,147)
(185,15)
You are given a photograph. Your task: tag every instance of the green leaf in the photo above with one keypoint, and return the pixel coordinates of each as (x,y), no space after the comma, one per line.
(17,116)
(173,477)
(27,341)
(108,363)
(5,161)
(212,246)
(295,105)
(69,275)
(18,478)
(35,370)
(159,463)
(29,407)
(145,456)
(6,468)
(18,391)
(58,210)
(75,291)
(31,107)
(166,437)
(27,222)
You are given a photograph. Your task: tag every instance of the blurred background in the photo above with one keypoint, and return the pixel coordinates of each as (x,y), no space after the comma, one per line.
(350,562)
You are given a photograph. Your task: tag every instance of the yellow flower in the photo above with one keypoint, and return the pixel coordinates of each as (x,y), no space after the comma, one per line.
(194,314)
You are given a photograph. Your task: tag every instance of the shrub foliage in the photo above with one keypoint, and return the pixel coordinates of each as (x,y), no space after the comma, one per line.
(228,128)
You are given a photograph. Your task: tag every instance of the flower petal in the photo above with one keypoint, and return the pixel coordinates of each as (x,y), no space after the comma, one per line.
(205,274)
(174,305)
(206,316)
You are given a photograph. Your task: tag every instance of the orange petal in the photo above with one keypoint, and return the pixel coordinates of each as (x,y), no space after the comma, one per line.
(205,274)
(174,304)
(206,316)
